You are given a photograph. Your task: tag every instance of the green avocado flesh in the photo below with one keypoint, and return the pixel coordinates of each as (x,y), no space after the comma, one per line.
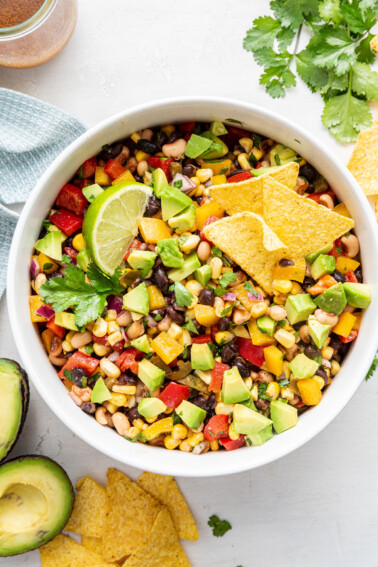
(14,399)
(36,499)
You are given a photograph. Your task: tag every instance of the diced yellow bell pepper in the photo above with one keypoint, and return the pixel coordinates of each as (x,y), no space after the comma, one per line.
(218,166)
(125,176)
(273,360)
(357,323)
(244,298)
(219,179)
(341,209)
(259,338)
(344,264)
(47,337)
(296,271)
(140,156)
(164,425)
(46,264)
(165,347)
(205,315)
(156,298)
(35,302)
(241,331)
(153,230)
(210,209)
(345,324)
(310,392)
(102,178)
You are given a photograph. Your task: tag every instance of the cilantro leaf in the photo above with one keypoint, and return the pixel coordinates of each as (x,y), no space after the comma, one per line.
(228,310)
(365,81)
(357,21)
(330,11)
(372,368)
(102,282)
(183,296)
(190,326)
(333,48)
(313,76)
(262,34)
(365,54)
(227,278)
(345,116)
(291,12)
(219,527)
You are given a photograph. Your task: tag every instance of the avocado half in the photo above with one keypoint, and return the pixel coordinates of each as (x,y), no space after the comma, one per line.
(36,499)
(14,403)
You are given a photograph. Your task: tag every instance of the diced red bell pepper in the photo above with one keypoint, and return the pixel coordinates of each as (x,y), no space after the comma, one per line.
(316,196)
(71,252)
(165,163)
(101,340)
(351,277)
(128,360)
(208,221)
(81,183)
(353,335)
(337,249)
(239,177)
(258,165)
(234,134)
(118,347)
(154,162)
(67,221)
(80,360)
(56,329)
(72,198)
(187,127)
(113,168)
(217,376)
(88,168)
(299,405)
(251,352)
(135,245)
(230,444)
(216,428)
(201,339)
(174,394)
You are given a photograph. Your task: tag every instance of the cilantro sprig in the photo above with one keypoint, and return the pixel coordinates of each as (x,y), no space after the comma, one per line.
(219,527)
(335,63)
(372,368)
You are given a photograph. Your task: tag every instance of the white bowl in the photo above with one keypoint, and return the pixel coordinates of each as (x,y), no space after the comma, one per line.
(42,373)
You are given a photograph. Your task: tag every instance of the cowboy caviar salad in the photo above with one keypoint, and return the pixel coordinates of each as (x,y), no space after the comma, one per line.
(197,286)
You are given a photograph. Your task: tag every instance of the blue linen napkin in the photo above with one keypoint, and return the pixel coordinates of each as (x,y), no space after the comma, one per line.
(32,134)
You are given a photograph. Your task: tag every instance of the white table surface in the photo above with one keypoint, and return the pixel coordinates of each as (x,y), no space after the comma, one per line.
(317,506)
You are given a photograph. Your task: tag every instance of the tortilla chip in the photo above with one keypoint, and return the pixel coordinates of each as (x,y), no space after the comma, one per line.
(376,207)
(92,543)
(302,224)
(131,513)
(249,241)
(247,195)
(363,163)
(89,509)
(62,551)
(165,489)
(162,549)
(374,43)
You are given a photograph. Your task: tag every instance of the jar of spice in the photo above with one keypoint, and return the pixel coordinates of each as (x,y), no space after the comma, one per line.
(34,31)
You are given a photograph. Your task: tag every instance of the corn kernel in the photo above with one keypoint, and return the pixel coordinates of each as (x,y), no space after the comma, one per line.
(194,439)
(248,382)
(109,382)
(113,327)
(139,424)
(246,144)
(243,162)
(115,338)
(327,352)
(196,180)
(224,409)
(257,153)
(199,191)
(185,447)
(100,328)
(259,309)
(132,432)
(151,419)
(111,315)
(233,435)
(194,302)
(194,287)
(319,380)
(171,443)
(335,367)
(141,156)
(214,445)
(282,286)
(168,129)
(135,137)
(179,431)
(118,399)
(112,408)
(169,411)
(204,174)
(78,242)
(287,394)
(285,338)
(67,347)
(186,338)
(101,350)
(280,298)
(273,390)
(255,393)
(124,389)
(296,288)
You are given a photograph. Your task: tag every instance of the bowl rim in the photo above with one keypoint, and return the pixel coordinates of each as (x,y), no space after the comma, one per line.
(182,465)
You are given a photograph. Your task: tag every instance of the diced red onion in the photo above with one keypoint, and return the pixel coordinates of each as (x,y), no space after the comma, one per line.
(200,448)
(123,332)
(46,312)
(187,184)
(253,297)
(115,302)
(229,296)
(113,356)
(35,270)
(151,323)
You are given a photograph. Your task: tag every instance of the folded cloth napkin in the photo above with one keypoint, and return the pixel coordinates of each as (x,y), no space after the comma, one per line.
(32,134)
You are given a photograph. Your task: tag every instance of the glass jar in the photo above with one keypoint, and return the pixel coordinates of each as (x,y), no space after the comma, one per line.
(39,38)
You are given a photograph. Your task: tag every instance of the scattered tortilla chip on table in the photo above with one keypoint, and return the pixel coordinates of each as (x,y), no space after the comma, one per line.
(62,551)
(376,208)
(248,195)
(162,549)
(363,163)
(375,121)
(165,489)
(249,241)
(302,224)
(131,513)
(89,510)
(92,543)
(374,43)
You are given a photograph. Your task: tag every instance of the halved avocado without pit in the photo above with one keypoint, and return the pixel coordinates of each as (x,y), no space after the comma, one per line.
(14,402)
(36,499)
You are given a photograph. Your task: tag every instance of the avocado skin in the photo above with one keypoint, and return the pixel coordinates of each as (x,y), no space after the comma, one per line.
(71,495)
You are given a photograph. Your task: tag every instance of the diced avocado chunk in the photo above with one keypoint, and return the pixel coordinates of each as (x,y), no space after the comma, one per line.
(159,181)
(284,416)
(142,260)
(83,259)
(191,264)
(173,201)
(332,300)
(266,325)
(185,221)
(218,128)
(170,253)
(310,258)
(318,331)
(151,407)
(299,307)
(100,392)
(190,414)
(196,146)
(51,245)
(202,357)
(150,374)
(248,421)
(92,191)
(261,437)
(249,404)
(234,389)
(303,367)
(280,154)
(203,274)
(357,294)
(137,300)
(141,343)
(66,320)
(324,264)
(217,149)
(263,170)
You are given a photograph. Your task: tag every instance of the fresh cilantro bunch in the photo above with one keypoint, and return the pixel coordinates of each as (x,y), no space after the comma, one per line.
(219,527)
(335,63)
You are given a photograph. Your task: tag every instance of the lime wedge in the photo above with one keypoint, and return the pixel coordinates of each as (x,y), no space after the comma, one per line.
(111,223)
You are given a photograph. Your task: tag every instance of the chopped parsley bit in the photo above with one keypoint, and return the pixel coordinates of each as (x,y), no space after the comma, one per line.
(227,278)
(47,266)
(138,437)
(248,441)
(84,382)
(234,121)
(339,249)
(190,326)
(262,389)
(223,171)
(185,352)
(105,147)
(252,160)
(281,323)
(372,368)
(318,359)
(47,224)
(218,291)
(249,287)
(283,383)
(216,252)
(68,374)
(228,310)
(178,184)
(256,140)
(80,173)
(95,377)
(277,159)
(148,355)
(158,318)
(176,419)
(183,296)
(219,527)
(183,238)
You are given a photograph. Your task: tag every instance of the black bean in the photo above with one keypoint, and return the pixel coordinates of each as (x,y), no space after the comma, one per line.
(112,151)
(175,315)
(311,351)
(200,402)
(206,297)
(242,366)
(284,262)
(200,328)
(235,172)
(323,374)
(147,146)
(138,179)
(88,407)
(308,172)
(160,138)
(129,143)
(189,170)
(54,275)
(127,379)
(79,377)
(337,345)
(224,324)
(153,206)
(160,312)
(211,402)
(133,413)
(228,354)
(338,276)
(358,274)
(160,278)
(176,306)
(308,282)
(176,135)
(262,404)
